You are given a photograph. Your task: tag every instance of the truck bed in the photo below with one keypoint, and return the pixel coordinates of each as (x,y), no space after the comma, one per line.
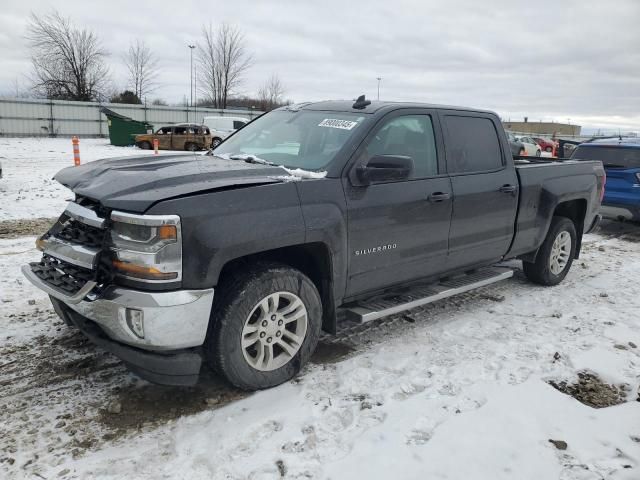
(545,183)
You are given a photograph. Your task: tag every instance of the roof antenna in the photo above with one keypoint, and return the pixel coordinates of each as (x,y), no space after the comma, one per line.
(361,103)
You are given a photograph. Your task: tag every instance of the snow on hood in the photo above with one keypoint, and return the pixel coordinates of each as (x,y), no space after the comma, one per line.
(294,174)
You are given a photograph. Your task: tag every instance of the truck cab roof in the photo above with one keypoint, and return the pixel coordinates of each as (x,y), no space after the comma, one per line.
(375,106)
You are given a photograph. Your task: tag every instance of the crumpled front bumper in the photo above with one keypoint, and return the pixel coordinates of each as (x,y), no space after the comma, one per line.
(174,326)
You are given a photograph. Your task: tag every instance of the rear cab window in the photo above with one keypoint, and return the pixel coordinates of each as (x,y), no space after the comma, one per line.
(473,144)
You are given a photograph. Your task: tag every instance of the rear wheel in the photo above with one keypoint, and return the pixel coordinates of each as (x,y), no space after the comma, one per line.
(264,326)
(191,147)
(556,254)
(144,145)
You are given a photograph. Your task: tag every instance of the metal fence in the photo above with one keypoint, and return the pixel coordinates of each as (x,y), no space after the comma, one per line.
(28,118)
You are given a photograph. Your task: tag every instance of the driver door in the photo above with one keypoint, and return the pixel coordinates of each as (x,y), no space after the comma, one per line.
(399,230)
(164,138)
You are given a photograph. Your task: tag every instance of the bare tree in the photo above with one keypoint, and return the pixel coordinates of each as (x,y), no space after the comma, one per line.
(68,62)
(142,67)
(223,61)
(271,93)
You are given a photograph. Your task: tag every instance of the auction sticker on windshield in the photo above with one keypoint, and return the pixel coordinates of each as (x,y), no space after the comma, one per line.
(335,123)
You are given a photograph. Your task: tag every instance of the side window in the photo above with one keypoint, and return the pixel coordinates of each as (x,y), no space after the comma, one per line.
(238,124)
(164,131)
(473,144)
(411,136)
(180,130)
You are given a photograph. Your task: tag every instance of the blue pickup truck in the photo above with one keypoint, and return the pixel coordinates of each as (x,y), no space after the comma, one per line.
(621,160)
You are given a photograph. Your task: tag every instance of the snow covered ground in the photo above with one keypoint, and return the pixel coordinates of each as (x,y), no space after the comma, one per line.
(457,390)
(27,189)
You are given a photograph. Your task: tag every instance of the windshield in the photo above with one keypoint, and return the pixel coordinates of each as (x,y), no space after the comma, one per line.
(613,157)
(296,139)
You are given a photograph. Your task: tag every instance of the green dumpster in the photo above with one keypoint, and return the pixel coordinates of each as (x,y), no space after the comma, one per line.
(122,130)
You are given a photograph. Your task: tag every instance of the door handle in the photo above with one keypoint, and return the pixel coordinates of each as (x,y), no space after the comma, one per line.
(508,189)
(437,197)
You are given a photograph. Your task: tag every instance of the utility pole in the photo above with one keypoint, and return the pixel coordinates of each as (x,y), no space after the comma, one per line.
(379,78)
(191,47)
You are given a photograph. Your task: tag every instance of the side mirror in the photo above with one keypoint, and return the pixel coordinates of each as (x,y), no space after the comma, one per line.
(384,168)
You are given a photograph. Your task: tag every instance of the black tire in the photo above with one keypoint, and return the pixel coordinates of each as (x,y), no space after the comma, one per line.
(538,153)
(191,147)
(144,145)
(241,293)
(540,270)
(215,142)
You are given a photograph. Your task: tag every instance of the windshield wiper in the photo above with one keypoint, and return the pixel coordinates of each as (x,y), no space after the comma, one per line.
(251,159)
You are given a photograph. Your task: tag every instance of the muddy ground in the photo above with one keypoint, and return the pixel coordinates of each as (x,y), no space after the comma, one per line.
(25,227)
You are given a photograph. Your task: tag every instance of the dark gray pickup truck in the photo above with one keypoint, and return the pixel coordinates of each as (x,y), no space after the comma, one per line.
(309,214)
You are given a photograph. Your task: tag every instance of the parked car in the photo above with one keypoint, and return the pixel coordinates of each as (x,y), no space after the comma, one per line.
(240,262)
(621,160)
(517,147)
(183,136)
(222,127)
(531,148)
(546,144)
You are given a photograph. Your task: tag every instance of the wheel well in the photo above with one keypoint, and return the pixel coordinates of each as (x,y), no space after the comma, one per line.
(312,259)
(574,210)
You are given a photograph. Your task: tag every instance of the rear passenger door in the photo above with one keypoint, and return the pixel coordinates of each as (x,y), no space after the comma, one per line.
(485,189)
(178,138)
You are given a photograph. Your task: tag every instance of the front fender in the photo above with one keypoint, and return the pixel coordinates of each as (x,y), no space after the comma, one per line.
(224,225)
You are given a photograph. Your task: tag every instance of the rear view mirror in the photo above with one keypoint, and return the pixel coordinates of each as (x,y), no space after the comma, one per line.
(385,168)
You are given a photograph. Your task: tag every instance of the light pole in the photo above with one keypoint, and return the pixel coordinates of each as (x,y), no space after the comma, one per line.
(379,78)
(191,47)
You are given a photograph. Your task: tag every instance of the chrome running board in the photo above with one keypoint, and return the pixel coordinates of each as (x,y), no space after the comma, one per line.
(392,303)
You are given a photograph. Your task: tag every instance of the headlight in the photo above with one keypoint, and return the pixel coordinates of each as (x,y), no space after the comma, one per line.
(147,247)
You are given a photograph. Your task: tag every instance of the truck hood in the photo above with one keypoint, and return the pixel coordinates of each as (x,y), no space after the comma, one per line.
(136,183)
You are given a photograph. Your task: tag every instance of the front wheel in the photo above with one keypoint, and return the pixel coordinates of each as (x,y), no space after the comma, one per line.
(264,327)
(144,145)
(556,254)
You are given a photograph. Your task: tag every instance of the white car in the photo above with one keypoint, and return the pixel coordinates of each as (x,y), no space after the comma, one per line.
(531,148)
(222,127)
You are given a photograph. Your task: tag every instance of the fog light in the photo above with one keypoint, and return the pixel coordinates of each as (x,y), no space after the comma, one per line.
(135,320)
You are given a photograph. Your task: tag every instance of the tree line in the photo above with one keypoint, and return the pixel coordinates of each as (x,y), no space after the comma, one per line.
(70,63)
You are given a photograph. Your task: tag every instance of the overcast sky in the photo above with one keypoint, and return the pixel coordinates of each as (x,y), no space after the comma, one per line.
(547,59)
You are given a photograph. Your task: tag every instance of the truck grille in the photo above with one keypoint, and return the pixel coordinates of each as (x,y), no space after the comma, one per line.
(71,247)
(62,275)
(82,234)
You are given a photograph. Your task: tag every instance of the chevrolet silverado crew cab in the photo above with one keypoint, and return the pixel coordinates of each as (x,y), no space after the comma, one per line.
(311,213)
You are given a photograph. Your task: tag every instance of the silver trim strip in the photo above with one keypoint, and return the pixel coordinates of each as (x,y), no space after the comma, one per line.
(84,215)
(148,220)
(79,255)
(54,292)
(364,314)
